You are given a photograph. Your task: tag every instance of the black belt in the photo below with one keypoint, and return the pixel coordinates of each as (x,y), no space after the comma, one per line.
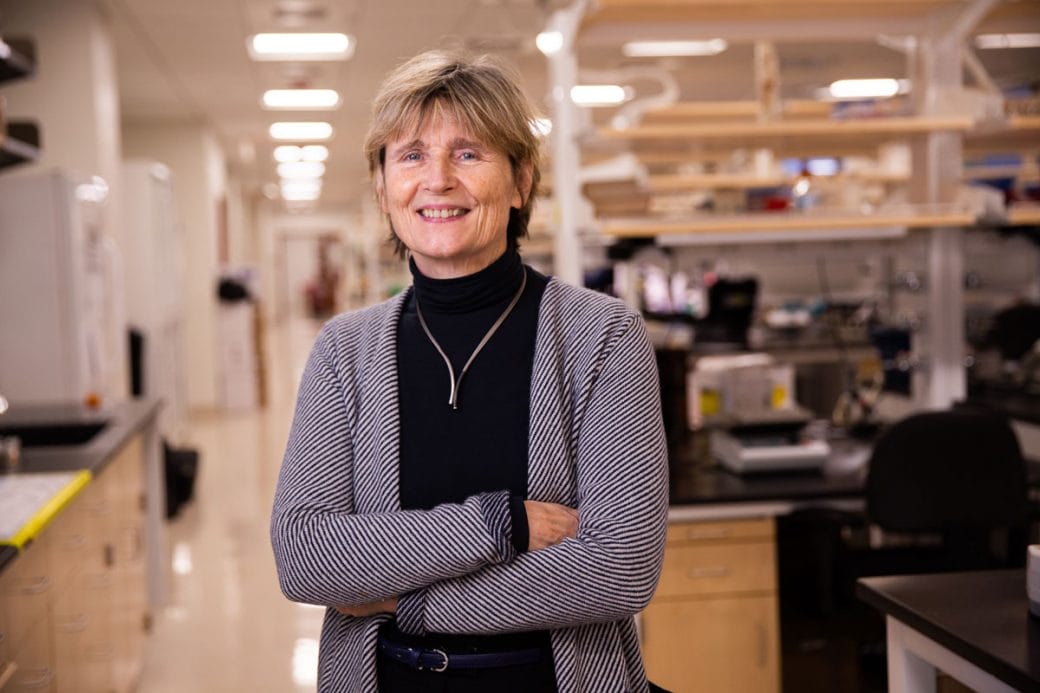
(438,660)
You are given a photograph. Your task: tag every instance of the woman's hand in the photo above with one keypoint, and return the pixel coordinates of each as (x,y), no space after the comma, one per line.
(549,524)
(387,606)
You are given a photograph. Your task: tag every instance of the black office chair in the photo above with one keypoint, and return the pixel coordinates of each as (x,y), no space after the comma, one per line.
(945,491)
(951,486)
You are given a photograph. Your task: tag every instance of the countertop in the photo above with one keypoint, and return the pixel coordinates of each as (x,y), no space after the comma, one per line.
(981,616)
(842,476)
(124,421)
(1016,404)
(694,482)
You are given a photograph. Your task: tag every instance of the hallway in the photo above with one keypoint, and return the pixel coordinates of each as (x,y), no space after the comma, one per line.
(226,627)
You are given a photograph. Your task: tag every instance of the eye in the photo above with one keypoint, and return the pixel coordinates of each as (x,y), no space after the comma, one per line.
(411,156)
(468,155)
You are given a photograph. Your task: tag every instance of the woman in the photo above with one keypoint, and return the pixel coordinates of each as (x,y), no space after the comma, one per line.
(475,480)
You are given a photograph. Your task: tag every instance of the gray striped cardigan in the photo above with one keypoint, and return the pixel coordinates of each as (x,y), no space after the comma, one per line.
(596,443)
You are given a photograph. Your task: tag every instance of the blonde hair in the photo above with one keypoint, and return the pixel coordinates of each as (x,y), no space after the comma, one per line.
(480,94)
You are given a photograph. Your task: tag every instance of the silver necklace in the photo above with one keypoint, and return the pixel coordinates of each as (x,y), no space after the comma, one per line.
(453,398)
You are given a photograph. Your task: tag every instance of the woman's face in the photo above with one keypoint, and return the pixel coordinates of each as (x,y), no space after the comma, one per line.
(448,196)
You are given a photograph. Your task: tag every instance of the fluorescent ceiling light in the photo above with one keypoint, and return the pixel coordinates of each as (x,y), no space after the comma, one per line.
(301,98)
(864,88)
(300,189)
(549,42)
(292,152)
(541,127)
(664,49)
(300,195)
(299,46)
(301,169)
(598,94)
(1008,40)
(301,131)
(300,184)
(314,152)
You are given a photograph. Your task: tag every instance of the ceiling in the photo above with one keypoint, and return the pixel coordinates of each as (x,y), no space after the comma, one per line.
(187,61)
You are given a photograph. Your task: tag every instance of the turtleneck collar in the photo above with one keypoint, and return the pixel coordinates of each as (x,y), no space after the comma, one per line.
(492,285)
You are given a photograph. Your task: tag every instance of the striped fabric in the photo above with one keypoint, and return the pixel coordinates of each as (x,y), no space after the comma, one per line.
(597,443)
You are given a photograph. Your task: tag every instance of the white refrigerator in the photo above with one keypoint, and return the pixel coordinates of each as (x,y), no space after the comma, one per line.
(62,331)
(153,270)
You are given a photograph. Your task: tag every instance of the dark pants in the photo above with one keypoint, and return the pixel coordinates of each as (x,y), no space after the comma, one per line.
(395,677)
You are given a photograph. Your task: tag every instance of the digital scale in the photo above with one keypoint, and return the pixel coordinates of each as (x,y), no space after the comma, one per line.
(775,443)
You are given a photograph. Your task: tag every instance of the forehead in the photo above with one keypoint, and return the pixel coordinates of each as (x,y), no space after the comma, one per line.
(437,125)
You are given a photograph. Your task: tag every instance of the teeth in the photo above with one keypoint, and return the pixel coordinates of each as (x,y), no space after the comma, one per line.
(440,213)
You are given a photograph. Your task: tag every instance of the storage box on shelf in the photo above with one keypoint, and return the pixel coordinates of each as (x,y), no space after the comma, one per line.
(713,624)
(74,607)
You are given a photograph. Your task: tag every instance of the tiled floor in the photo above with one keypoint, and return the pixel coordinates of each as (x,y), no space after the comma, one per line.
(226,626)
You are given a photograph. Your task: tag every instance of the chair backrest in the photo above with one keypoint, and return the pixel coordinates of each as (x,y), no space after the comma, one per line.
(935,471)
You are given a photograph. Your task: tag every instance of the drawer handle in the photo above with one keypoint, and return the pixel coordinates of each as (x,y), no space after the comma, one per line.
(75,624)
(700,533)
(37,585)
(97,581)
(42,679)
(97,507)
(763,645)
(100,652)
(717,571)
(74,541)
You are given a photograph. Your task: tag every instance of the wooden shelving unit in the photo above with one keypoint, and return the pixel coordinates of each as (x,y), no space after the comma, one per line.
(780,222)
(702,154)
(765,133)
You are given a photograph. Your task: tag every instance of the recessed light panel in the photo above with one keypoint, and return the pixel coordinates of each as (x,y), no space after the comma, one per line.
(301,46)
(301,99)
(301,131)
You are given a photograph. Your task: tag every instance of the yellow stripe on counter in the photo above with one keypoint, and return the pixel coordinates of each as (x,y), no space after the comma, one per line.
(48,509)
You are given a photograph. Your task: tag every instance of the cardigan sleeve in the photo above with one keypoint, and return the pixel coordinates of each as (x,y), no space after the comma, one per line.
(327,553)
(610,570)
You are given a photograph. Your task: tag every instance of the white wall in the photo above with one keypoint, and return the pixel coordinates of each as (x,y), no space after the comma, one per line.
(192,154)
(74,98)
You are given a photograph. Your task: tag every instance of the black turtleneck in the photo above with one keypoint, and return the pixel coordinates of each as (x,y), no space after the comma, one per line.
(448,455)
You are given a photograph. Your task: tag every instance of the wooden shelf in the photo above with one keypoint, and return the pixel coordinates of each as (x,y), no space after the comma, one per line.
(823,19)
(762,133)
(1024,215)
(1021,133)
(689,110)
(644,227)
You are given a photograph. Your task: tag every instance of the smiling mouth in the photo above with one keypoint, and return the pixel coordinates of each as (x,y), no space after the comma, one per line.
(442,213)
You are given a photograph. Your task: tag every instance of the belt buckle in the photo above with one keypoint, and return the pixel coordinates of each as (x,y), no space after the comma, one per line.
(439,668)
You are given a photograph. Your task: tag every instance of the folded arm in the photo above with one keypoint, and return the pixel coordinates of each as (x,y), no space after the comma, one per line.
(328,554)
(610,569)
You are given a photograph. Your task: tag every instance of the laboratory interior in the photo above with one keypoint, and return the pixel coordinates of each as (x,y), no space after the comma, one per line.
(827,212)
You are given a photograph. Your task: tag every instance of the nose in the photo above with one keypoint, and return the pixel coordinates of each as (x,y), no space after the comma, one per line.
(440,175)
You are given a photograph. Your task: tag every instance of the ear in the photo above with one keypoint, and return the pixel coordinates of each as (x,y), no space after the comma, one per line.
(523,185)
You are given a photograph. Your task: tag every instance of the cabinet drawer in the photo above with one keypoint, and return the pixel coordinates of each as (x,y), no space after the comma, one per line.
(729,530)
(718,569)
(34,663)
(715,645)
(25,590)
